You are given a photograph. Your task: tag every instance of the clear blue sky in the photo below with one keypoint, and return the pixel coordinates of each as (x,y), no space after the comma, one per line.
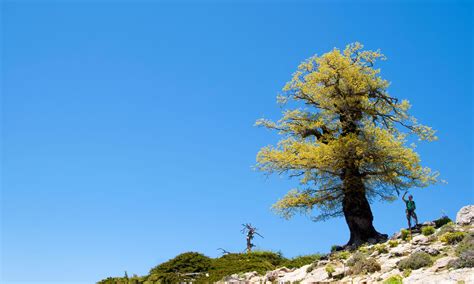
(127,128)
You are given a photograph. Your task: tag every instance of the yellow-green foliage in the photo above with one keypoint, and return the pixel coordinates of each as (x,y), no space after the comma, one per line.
(341,255)
(363,249)
(396,279)
(381,248)
(302,260)
(452,237)
(406,272)
(427,230)
(393,243)
(446,228)
(415,261)
(330,269)
(316,142)
(406,235)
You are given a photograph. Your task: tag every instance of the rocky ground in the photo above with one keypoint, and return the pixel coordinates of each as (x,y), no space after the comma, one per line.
(427,255)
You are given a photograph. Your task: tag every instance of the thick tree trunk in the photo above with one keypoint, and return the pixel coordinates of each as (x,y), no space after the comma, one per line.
(357,211)
(355,206)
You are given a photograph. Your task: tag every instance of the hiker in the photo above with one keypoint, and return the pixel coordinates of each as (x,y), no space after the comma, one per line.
(410,211)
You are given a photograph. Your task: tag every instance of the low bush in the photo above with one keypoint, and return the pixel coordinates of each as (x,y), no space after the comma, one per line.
(341,255)
(173,269)
(330,270)
(427,230)
(406,272)
(447,228)
(396,279)
(467,244)
(393,243)
(363,249)
(452,237)
(356,257)
(334,248)
(465,260)
(311,267)
(364,266)
(406,235)
(259,261)
(415,261)
(300,261)
(381,248)
(442,221)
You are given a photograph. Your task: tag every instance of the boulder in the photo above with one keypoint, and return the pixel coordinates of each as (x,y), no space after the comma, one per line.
(420,240)
(295,276)
(428,250)
(465,216)
(441,263)
(400,250)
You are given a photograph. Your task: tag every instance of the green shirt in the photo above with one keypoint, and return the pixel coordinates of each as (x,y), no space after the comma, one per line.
(410,205)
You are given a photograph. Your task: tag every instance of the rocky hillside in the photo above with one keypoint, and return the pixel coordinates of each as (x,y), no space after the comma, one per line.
(435,252)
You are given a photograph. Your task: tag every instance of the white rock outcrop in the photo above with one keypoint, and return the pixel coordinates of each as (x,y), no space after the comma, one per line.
(465,216)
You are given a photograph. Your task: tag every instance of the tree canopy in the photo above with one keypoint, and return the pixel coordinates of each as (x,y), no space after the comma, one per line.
(339,116)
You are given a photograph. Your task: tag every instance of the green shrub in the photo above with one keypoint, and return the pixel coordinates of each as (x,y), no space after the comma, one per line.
(465,260)
(396,279)
(259,261)
(300,261)
(427,230)
(342,255)
(442,221)
(393,243)
(363,249)
(189,262)
(334,248)
(406,272)
(447,228)
(364,266)
(466,244)
(356,257)
(330,270)
(381,248)
(406,235)
(452,237)
(311,267)
(415,261)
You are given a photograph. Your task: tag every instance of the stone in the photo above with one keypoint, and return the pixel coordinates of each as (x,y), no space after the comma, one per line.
(422,276)
(465,216)
(400,250)
(295,276)
(317,275)
(441,263)
(428,250)
(397,235)
(420,240)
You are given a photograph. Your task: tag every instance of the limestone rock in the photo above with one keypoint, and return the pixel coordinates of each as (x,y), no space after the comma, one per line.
(428,250)
(465,216)
(421,276)
(441,263)
(420,240)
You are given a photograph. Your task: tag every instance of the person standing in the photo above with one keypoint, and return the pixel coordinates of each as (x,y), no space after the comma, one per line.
(410,210)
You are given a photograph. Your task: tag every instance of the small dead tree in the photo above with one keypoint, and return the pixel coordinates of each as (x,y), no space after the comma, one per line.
(250,232)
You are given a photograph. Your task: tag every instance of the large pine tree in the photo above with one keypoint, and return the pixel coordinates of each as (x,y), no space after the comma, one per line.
(346,139)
